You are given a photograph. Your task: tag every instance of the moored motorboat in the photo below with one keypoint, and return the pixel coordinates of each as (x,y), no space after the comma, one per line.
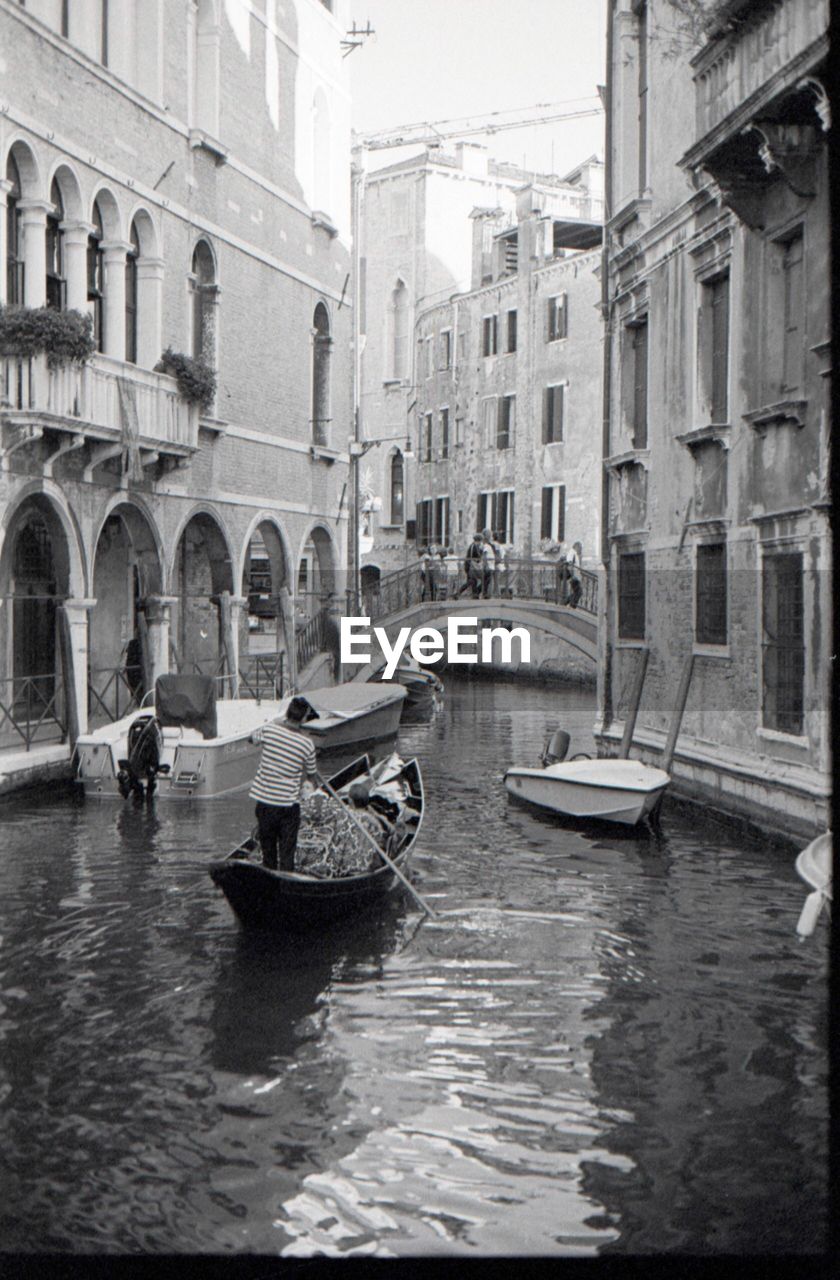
(623,791)
(189,745)
(813,865)
(303,899)
(423,689)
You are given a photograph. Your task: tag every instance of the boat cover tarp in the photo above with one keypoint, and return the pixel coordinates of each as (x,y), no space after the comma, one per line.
(188,701)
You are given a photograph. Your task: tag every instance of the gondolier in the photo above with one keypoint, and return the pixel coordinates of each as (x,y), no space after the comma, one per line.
(288,758)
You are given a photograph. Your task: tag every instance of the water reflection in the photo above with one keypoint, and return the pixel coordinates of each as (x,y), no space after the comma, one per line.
(605,1042)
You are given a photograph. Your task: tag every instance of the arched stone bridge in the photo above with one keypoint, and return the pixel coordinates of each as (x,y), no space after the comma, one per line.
(528,593)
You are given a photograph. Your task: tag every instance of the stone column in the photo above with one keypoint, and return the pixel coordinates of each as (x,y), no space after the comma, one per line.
(5,187)
(75,239)
(333,632)
(34,221)
(287,621)
(158,618)
(230,610)
(114,252)
(78,613)
(149,307)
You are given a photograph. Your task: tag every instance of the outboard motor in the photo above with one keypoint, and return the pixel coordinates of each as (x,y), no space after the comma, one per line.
(144,746)
(555,747)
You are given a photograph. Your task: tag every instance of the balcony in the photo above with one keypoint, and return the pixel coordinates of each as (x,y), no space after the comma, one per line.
(105,401)
(760,104)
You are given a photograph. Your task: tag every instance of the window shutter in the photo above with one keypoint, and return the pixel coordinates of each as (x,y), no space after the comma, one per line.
(545,520)
(640,389)
(720,349)
(557,416)
(564,317)
(547,412)
(509,531)
(561,513)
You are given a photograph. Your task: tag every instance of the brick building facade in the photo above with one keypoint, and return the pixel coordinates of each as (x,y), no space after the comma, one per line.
(716,448)
(179,172)
(508,404)
(416,249)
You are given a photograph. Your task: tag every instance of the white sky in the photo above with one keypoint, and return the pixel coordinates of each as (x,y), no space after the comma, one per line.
(440,59)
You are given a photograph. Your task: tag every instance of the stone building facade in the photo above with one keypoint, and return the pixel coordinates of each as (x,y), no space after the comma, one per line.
(179,171)
(416,249)
(717,361)
(507,420)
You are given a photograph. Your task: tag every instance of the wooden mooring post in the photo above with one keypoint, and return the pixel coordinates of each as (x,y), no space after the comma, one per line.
(635,702)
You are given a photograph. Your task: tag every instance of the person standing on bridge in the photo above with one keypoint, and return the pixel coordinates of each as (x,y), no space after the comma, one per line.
(575,577)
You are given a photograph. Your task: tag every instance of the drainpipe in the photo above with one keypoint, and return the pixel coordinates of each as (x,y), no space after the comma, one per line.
(606,708)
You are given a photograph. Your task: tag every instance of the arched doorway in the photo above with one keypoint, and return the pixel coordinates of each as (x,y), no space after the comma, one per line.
(201,573)
(316,579)
(126,568)
(35,579)
(265,580)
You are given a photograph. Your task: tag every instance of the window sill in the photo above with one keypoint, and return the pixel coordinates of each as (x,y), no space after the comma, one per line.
(784,413)
(788,739)
(393,383)
(214,426)
(711,651)
(320,453)
(201,141)
(717,433)
(630,644)
(630,458)
(323,222)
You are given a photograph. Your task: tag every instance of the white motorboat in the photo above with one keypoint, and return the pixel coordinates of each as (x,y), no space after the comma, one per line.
(190,746)
(813,864)
(622,791)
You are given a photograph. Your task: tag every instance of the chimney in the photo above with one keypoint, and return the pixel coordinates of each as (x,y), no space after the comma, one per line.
(472,158)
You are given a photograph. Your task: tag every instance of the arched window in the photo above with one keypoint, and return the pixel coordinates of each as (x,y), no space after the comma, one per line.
(399,332)
(96,277)
(397,488)
(56,285)
(131,296)
(14,245)
(204,298)
(322,346)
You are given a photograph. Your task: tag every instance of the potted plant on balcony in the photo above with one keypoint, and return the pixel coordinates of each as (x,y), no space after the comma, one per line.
(65,337)
(195,377)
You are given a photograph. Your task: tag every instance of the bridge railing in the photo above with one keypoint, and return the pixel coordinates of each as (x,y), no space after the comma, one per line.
(515,579)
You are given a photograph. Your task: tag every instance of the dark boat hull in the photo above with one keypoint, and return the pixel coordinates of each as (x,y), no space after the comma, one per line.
(287,901)
(264,899)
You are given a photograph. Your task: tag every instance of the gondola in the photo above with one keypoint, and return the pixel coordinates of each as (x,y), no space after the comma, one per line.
(296,901)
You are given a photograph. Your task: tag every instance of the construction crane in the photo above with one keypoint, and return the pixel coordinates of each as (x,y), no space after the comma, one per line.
(430,133)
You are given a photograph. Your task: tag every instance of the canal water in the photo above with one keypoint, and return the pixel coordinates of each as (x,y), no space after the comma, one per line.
(605,1043)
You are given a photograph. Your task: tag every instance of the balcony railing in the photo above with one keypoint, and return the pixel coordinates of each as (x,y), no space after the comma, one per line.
(732,69)
(87,398)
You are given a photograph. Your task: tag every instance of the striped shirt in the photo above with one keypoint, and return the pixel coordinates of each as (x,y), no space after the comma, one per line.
(287,754)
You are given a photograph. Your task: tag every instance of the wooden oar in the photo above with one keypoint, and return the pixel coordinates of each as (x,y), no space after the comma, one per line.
(383,855)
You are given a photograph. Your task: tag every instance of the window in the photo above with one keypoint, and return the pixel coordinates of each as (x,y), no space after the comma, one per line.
(495,512)
(552,428)
(459,432)
(558,317)
(321,359)
(204,298)
(56,285)
(131,296)
(14,236)
(490,335)
(716,340)
(103,33)
(399,331)
(65,18)
(421,356)
(441,530)
(710,594)
(505,422)
(783,642)
(430,355)
(397,488)
(488,422)
(96,276)
(510,344)
(553,519)
(425,517)
(631,596)
(446,349)
(444,433)
(426,441)
(792,270)
(639,346)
